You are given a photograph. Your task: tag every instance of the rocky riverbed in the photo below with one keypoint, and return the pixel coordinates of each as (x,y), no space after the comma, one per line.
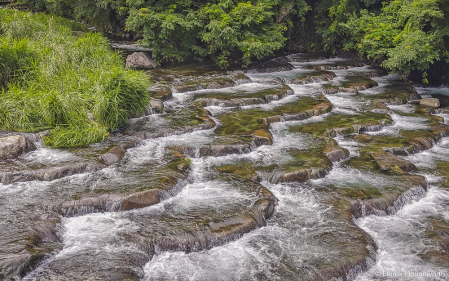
(299,168)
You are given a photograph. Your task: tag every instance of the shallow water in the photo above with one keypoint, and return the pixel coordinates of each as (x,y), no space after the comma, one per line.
(208,223)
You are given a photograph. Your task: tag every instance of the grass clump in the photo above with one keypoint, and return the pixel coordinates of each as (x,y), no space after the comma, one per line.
(76,86)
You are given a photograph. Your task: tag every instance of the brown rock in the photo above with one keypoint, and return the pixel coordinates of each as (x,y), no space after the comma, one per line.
(140,60)
(388,160)
(114,155)
(141,200)
(13,146)
(363,138)
(156,105)
(335,153)
(296,176)
(442,130)
(379,107)
(322,108)
(430,102)
(263,137)
(439,119)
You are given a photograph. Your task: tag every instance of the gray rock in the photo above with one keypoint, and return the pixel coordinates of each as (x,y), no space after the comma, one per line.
(430,102)
(114,155)
(140,60)
(387,161)
(157,106)
(335,153)
(13,146)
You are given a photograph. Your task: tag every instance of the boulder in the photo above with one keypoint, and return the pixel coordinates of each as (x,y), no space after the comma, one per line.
(140,60)
(141,200)
(430,102)
(387,161)
(335,153)
(13,146)
(156,105)
(263,137)
(363,138)
(114,155)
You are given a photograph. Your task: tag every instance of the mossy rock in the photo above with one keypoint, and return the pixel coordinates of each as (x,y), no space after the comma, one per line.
(345,122)
(247,121)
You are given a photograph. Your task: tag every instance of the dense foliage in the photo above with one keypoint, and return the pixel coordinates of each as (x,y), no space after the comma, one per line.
(405,35)
(401,35)
(175,29)
(52,79)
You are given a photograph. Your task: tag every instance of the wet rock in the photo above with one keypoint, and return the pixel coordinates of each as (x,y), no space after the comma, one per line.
(213,82)
(157,106)
(140,60)
(419,144)
(322,108)
(441,130)
(439,119)
(349,90)
(49,174)
(313,79)
(269,66)
(436,257)
(388,160)
(315,111)
(332,90)
(303,175)
(357,129)
(286,91)
(114,155)
(386,200)
(220,232)
(415,145)
(263,137)
(222,150)
(184,167)
(163,95)
(65,171)
(13,146)
(141,200)
(430,102)
(379,107)
(439,234)
(363,138)
(335,153)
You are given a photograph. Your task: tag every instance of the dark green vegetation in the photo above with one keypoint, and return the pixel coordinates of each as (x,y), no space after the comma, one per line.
(76,86)
(400,35)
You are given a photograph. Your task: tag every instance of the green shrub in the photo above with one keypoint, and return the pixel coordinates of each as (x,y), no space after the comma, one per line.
(75,86)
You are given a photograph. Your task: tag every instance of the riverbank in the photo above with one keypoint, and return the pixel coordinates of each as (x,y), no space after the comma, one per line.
(56,76)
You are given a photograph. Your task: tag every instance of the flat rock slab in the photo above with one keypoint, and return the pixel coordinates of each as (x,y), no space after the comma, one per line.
(13,146)
(140,60)
(430,102)
(387,161)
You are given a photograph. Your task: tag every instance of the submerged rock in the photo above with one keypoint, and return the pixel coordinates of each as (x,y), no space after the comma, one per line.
(49,174)
(430,102)
(13,146)
(140,60)
(387,161)
(335,153)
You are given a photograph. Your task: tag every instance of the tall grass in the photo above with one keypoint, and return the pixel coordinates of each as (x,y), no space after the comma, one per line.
(51,79)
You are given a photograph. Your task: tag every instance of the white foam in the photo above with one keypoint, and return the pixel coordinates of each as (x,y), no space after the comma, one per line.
(401,238)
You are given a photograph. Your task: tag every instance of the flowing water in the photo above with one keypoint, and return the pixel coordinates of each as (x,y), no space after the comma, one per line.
(230,182)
